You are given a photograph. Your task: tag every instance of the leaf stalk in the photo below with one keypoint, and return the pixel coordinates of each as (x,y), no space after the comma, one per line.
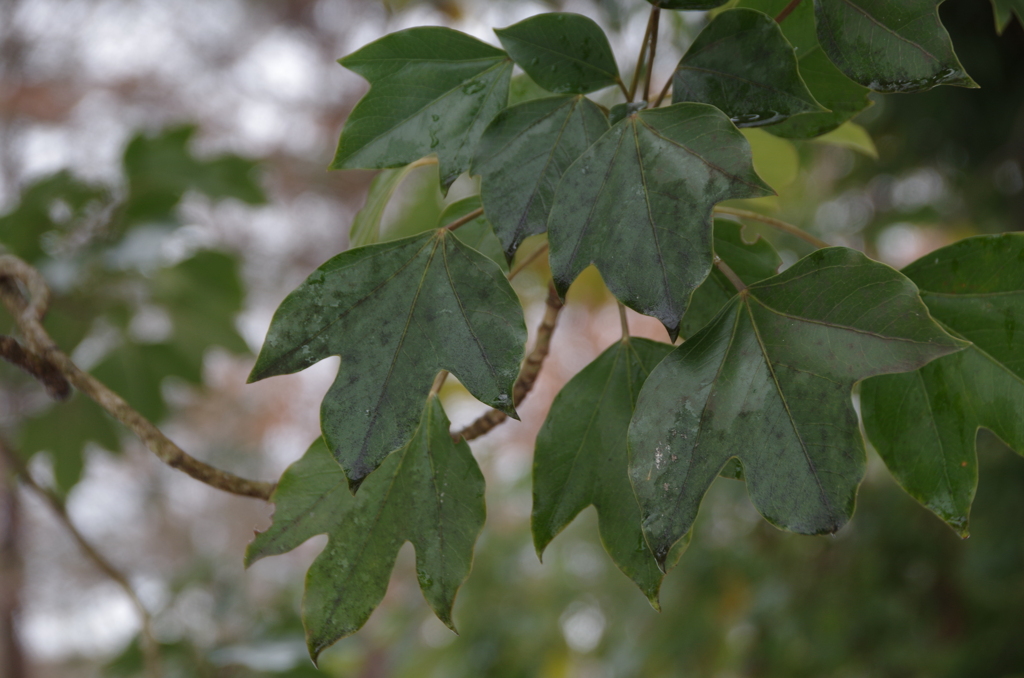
(774,223)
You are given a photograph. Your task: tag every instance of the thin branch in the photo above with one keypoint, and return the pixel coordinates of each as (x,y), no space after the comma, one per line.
(527,261)
(622,86)
(462,221)
(774,223)
(655,17)
(439,380)
(527,375)
(54,382)
(623,320)
(786,11)
(12,656)
(664,92)
(730,274)
(151,649)
(29,313)
(640,59)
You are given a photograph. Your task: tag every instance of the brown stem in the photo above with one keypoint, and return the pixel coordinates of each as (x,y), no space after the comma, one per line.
(623,320)
(640,59)
(774,223)
(527,261)
(29,313)
(730,274)
(462,221)
(655,17)
(664,93)
(622,86)
(51,379)
(12,656)
(151,649)
(439,380)
(527,375)
(786,11)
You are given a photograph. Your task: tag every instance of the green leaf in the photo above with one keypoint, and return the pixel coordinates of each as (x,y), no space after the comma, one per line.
(841,96)
(1003,9)
(161,168)
(580,458)
(430,492)
(644,193)
(522,156)
(432,90)
(752,262)
(64,430)
(397,313)
(924,424)
(366,225)
(889,45)
(769,382)
(687,4)
(52,206)
(852,136)
(477,233)
(136,372)
(742,64)
(563,53)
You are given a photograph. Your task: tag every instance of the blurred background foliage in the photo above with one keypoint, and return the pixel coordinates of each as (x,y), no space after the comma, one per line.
(162,164)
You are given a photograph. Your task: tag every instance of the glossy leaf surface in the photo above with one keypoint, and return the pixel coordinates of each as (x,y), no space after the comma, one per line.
(769,383)
(924,424)
(522,156)
(752,262)
(430,493)
(644,193)
(397,313)
(889,45)
(742,64)
(831,88)
(562,52)
(580,458)
(432,90)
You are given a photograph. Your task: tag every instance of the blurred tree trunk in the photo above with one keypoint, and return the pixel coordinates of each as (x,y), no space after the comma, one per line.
(12,658)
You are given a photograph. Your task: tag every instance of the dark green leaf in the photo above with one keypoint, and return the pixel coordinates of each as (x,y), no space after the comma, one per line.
(742,64)
(522,156)
(397,313)
(432,90)
(769,382)
(688,4)
(563,53)
(752,262)
(843,97)
(644,193)
(478,233)
(889,45)
(924,424)
(580,458)
(430,493)
(1002,10)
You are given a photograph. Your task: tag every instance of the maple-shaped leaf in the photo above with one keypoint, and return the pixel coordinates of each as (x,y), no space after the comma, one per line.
(889,45)
(742,64)
(924,424)
(831,88)
(752,262)
(430,493)
(638,205)
(562,52)
(580,458)
(769,382)
(432,90)
(522,156)
(397,313)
